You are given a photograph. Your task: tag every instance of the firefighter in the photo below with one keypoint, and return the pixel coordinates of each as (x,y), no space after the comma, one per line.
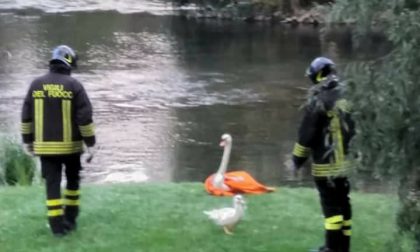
(56,123)
(324,134)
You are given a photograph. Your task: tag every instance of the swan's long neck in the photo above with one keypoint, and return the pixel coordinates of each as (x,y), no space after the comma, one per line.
(225,158)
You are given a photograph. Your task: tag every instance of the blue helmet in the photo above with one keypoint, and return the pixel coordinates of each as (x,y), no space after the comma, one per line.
(64,54)
(319,69)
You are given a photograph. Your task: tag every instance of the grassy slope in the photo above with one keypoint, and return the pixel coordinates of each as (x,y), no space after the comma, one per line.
(168,217)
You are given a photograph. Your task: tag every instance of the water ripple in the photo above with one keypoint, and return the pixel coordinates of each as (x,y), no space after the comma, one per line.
(52,6)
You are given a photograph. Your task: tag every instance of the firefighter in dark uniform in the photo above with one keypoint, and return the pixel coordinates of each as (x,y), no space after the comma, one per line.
(325,132)
(56,123)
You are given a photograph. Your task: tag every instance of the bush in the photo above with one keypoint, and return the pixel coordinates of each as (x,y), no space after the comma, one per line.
(16,168)
(385,95)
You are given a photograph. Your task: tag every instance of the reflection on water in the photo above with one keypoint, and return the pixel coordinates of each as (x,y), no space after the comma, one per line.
(54,6)
(164,89)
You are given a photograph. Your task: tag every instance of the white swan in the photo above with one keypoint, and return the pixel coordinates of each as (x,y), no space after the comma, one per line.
(219,176)
(224,183)
(230,216)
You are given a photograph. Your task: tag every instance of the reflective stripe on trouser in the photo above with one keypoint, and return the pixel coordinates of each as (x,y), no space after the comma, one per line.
(333,233)
(55,214)
(346,235)
(55,207)
(72,191)
(346,227)
(334,222)
(336,208)
(71,202)
(51,171)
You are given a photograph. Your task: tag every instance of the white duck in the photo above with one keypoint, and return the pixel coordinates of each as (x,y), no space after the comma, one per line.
(230,216)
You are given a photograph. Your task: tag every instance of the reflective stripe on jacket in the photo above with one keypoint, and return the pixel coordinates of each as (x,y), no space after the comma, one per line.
(325,132)
(57,114)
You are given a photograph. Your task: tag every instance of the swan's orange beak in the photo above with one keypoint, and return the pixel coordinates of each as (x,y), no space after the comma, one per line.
(222,143)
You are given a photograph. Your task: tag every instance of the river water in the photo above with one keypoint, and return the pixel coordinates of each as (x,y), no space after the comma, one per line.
(164,88)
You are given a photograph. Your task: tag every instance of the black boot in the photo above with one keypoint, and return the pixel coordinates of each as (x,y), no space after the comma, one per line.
(345,243)
(69,226)
(322,249)
(57,226)
(70,216)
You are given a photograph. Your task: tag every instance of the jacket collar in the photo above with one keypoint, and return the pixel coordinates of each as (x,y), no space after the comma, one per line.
(60,68)
(330,83)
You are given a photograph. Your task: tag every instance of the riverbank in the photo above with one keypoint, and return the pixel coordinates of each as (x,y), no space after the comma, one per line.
(168,217)
(265,11)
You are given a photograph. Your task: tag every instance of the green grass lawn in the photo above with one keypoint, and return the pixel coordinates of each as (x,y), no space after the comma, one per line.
(169,218)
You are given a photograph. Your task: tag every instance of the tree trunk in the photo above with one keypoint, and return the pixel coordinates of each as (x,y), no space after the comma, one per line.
(295,6)
(409,214)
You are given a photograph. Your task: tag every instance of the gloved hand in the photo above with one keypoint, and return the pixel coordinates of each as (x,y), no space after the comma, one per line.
(28,149)
(90,153)
(293,171)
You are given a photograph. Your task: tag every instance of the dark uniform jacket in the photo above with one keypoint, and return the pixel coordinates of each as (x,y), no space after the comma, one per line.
(57,114)
(325,131)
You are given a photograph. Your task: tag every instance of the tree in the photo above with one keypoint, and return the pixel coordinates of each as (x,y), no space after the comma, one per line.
(386,97)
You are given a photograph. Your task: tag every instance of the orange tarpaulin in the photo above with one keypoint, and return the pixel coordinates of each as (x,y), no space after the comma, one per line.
(239,182)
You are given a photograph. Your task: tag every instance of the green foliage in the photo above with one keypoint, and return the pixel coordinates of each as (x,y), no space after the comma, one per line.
(257,6)
(16,168)
(385,93)
(169,218)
